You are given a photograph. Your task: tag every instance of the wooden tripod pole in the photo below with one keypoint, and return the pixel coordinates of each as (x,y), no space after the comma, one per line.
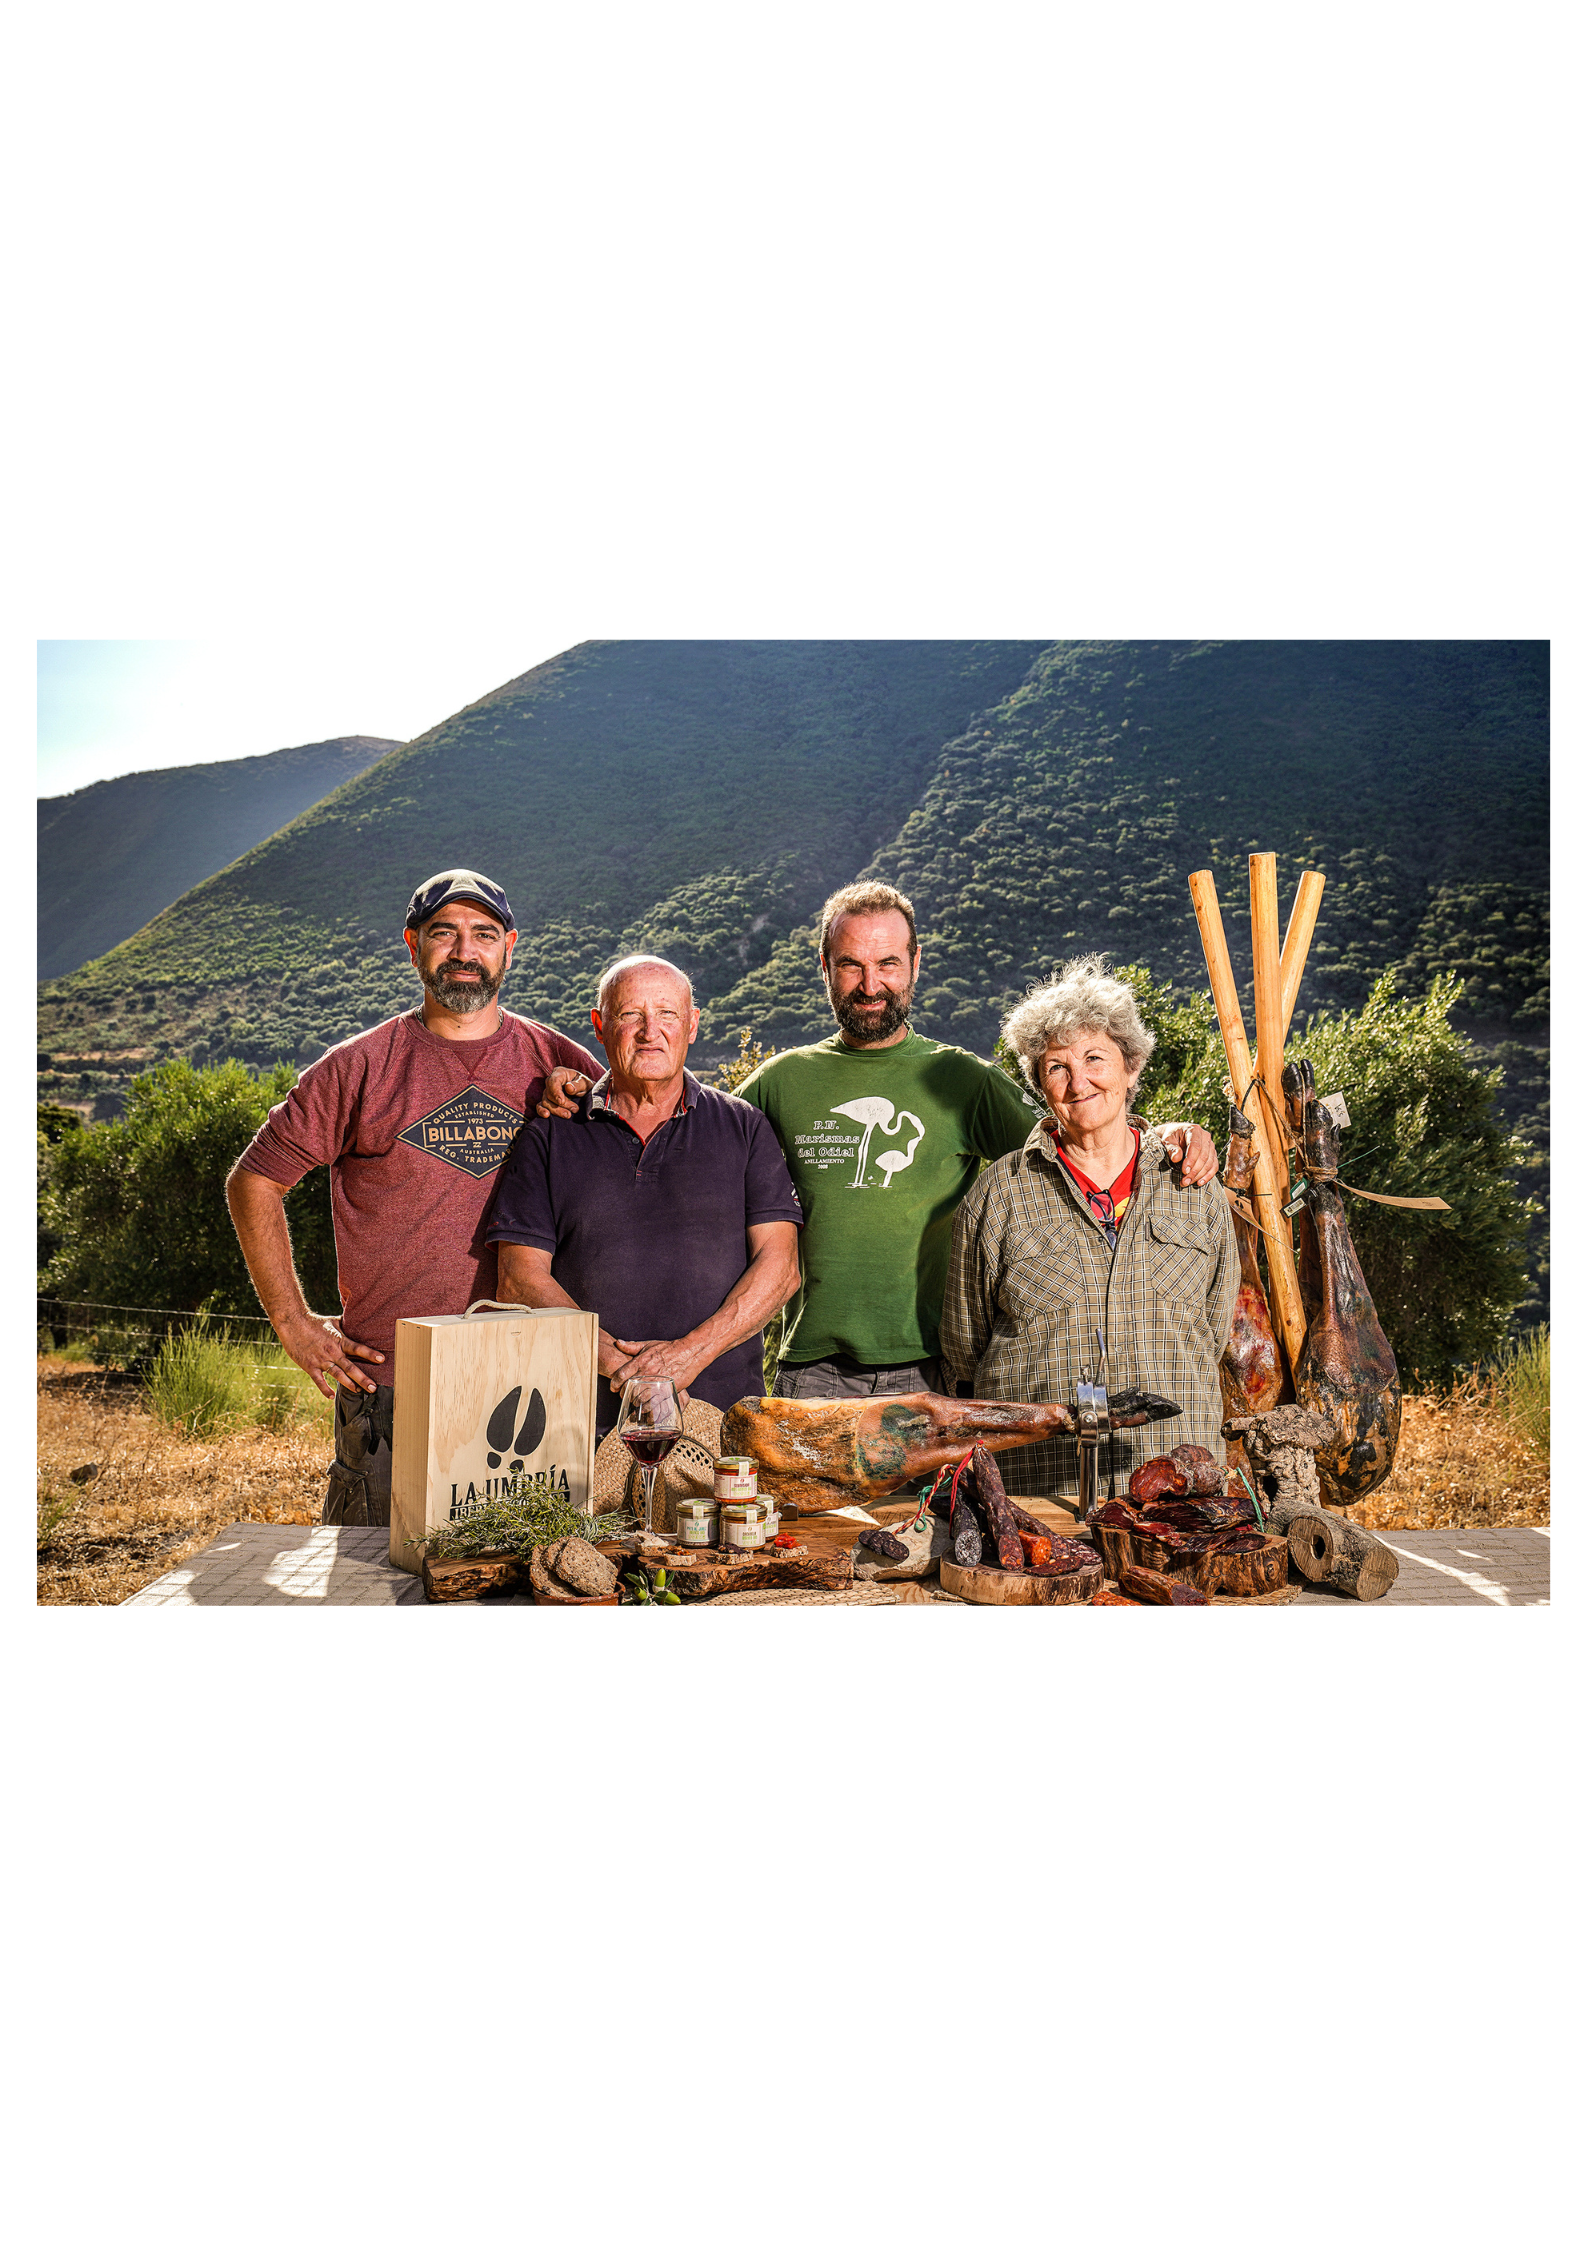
(1297,942)
(1284,1279)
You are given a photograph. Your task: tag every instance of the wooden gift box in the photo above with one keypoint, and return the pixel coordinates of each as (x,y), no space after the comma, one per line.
(483,1399)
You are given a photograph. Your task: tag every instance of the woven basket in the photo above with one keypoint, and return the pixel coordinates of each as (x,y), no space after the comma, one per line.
(688,1471)
(863,1594)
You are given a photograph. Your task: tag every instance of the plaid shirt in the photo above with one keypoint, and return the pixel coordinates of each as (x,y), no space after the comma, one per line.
(1032,1277)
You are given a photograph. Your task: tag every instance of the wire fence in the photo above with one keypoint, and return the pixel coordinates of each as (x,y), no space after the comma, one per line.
(132,1333)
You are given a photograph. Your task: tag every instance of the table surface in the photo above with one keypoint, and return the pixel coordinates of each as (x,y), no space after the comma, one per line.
(254,1564)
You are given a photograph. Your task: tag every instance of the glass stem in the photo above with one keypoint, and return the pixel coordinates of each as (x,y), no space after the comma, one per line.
(647,1474)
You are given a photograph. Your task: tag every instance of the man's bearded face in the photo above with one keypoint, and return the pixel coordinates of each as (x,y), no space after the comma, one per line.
(462,986)
(867,1021)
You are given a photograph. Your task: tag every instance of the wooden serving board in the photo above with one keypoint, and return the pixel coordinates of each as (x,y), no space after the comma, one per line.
(1002,1586)
(449,1582)
(706,1574)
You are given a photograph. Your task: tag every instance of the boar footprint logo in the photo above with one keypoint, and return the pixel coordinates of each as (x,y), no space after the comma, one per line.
(499,1431)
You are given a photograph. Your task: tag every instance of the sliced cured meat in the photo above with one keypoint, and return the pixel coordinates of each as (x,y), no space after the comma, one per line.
(1069,1557)
(1159,1477)
(1200,1512)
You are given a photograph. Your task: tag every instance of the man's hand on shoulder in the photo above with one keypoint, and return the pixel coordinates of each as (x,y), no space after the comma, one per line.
(565,1087)
(318,1346)
(1191,1150)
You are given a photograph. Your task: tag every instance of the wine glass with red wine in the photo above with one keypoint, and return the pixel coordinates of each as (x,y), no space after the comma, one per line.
(650,1422)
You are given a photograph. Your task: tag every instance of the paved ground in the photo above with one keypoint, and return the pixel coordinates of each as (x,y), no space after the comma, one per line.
(255,1565)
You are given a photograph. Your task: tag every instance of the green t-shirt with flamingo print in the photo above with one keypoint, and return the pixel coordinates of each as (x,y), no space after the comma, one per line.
(883,1143)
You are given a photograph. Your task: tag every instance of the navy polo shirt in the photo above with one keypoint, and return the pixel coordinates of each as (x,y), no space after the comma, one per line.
(650,1233)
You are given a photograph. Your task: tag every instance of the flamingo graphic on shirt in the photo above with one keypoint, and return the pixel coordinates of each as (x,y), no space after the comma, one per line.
(877,1113)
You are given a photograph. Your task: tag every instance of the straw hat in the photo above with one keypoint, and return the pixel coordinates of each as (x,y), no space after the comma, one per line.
(688,1471)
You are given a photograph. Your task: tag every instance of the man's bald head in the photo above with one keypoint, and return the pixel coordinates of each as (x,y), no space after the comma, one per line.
(610,991)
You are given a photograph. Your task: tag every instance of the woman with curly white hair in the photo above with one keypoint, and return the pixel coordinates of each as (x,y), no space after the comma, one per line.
(1089,1228)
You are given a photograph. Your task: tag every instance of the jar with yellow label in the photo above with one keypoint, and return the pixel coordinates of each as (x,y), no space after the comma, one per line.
(743,1526)
(698,1522)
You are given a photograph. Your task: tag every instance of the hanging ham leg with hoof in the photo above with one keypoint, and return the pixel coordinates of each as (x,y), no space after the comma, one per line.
(1346,1371)
(1251,1371)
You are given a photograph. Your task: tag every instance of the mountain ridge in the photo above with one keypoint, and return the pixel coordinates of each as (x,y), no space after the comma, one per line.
(116,853)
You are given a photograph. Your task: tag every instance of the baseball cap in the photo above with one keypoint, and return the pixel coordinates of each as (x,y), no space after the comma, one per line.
(450,888)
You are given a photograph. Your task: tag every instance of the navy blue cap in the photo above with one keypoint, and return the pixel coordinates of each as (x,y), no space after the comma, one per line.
(448,888)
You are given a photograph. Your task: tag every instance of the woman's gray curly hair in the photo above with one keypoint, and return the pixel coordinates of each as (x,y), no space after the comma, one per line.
(1085,996)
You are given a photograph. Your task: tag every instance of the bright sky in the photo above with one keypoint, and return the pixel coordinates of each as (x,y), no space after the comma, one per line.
(108,706)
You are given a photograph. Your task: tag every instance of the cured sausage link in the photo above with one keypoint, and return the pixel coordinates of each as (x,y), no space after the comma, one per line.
(989,1487)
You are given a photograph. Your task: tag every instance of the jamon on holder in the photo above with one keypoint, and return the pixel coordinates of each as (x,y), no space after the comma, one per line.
(817,1455)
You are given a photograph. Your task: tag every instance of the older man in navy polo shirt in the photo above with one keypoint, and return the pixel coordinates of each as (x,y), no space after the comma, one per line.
(665,1207)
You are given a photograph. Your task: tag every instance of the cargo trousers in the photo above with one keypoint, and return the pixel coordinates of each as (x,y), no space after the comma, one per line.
(358,1485)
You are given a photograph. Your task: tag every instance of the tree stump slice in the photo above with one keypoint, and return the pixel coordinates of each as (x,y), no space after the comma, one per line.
(1244,1574)
(454,1582)
(1006,1586)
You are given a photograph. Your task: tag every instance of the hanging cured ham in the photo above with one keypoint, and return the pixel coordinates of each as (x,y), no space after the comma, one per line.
(1346,1371)
(1251,1371)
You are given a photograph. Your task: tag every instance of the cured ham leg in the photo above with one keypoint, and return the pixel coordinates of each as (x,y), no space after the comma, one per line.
(817,1455)
(1346,1373)
(1250,1371)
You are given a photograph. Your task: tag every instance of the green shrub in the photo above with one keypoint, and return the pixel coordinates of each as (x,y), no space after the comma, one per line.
(137,1208)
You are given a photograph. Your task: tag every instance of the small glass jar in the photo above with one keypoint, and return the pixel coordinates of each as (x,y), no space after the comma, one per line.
(744,1526)
(737,1480)
(699,1523)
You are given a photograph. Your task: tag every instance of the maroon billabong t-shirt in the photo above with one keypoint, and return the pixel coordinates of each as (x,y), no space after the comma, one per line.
(414,1128)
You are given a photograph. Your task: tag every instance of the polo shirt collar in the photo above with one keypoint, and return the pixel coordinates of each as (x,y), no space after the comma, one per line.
(600,1095)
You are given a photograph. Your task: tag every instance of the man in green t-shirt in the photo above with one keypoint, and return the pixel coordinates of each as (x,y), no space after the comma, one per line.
(884,1131)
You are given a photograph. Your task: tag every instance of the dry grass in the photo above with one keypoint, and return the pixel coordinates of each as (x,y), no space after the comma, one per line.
(157,1496)
(1463,1462)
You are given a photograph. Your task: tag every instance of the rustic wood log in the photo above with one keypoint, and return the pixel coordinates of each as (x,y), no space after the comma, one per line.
(1160,1590)
(1002,1586)
(449,1582)
(1297,942)
(1313,1535)
(1337,1554)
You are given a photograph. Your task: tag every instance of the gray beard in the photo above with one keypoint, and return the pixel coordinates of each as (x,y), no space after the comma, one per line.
(871,1028)
(462,997)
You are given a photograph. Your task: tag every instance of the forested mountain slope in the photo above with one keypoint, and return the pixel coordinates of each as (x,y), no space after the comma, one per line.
(1415,777)
(699,796)
(113,855)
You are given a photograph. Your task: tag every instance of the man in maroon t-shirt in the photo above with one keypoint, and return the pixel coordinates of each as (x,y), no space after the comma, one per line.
(414,1119)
